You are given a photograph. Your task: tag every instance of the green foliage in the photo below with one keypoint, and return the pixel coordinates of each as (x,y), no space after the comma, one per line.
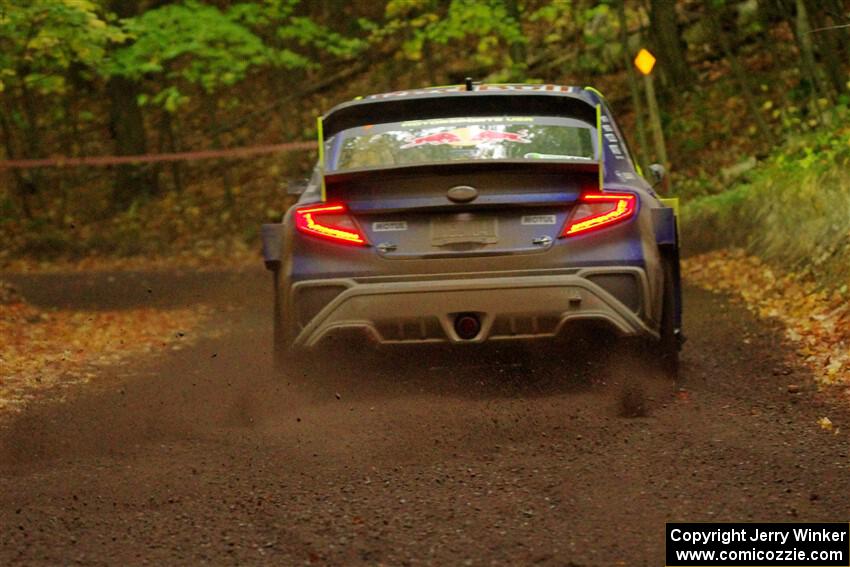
(485,24)
(595,24)
(816,152)
(552,11)
(307,32)
(263,12)
(41,39)
(192,43)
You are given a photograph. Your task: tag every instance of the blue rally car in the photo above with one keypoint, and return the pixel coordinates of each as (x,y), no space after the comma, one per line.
(475,214)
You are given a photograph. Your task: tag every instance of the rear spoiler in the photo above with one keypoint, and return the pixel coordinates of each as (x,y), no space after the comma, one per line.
(345,184)
(451,104)
(581,167)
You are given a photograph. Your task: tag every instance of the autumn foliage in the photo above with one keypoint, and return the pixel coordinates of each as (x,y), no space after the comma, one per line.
(54,349)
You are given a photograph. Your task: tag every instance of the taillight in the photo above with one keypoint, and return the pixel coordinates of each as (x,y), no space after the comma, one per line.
(599,210)
(329,221)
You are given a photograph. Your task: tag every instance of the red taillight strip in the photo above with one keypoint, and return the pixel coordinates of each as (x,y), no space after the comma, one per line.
(308,221)
(624,207)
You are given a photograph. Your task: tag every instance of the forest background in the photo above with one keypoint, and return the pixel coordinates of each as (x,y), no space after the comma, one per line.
(753,95)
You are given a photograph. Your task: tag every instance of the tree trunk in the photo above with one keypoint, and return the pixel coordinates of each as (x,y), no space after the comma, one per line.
(519,55)
(835,11)
(127,126)
(169,143)
(744,86)
(807,53)
(668,44)
(643,148)
(32,142)
(70,142)
(430,65)
(128,132)
(210,104)
(830,45)
(22,184)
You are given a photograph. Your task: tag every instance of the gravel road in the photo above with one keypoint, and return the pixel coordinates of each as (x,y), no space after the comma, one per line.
(205,456)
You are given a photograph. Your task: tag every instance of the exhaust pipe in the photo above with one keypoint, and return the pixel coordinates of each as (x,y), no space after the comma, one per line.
(467,326)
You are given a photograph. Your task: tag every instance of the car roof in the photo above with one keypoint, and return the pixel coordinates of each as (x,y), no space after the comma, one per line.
(457,100)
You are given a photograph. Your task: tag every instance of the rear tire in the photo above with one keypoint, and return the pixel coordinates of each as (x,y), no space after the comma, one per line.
(668,345)
(282,355)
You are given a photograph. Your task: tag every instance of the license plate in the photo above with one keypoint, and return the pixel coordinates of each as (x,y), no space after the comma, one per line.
(464,229)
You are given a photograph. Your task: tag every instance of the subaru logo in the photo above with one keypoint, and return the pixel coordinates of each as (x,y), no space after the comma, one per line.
(462,194)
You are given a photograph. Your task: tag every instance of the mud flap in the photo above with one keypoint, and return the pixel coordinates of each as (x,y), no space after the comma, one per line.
(272,235)
(665,224)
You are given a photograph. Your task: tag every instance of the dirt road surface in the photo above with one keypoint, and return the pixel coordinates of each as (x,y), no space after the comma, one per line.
(206,456)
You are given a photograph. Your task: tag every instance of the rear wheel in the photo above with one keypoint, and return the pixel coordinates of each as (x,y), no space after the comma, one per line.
(668,345)
(283,356)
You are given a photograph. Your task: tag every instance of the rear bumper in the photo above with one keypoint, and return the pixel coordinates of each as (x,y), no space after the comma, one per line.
(423,310)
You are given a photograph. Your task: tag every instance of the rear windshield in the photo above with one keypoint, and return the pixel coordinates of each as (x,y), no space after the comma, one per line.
(461,139)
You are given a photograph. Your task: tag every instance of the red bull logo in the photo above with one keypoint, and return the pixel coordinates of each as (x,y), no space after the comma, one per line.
(467,136)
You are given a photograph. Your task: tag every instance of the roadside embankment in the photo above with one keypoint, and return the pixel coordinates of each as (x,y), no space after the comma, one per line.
(792,211)
(779,240)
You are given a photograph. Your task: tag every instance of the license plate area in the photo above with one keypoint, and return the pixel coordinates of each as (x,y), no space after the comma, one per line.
(464,228)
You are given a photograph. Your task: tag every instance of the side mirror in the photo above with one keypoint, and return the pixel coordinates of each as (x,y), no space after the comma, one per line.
(657,172)
(296,186)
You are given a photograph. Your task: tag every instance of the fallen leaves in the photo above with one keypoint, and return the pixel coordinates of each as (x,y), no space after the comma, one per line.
(825,423)
(42,350)
(235,258)
(8,294)
(816,321)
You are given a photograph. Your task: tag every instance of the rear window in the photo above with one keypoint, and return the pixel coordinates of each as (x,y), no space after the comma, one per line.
(461,139)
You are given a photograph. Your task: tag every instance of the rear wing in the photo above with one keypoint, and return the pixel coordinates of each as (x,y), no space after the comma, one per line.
(443,104)
(590,167)
(586,171)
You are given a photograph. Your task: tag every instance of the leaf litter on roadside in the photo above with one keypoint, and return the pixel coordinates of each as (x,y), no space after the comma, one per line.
(817,321)
(41,350)
(235,257)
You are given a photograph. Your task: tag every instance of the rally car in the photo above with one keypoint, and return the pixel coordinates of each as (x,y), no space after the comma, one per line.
(475,214)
